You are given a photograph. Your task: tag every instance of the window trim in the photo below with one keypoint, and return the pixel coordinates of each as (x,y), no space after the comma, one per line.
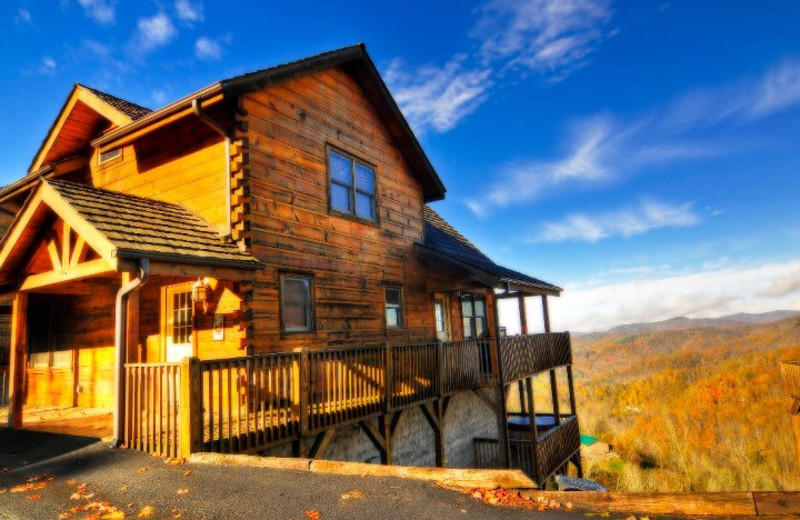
(116,156)
(353,189)
(401,322)
(310,313)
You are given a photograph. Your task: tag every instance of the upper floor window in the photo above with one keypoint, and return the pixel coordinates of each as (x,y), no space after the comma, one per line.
(297,304)
(109,155)
(473,312)
(352,186)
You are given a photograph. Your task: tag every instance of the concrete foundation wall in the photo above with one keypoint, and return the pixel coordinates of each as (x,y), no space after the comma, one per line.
(413,441)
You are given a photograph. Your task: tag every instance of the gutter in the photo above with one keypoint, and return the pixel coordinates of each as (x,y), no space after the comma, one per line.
(120,344)
(204,117)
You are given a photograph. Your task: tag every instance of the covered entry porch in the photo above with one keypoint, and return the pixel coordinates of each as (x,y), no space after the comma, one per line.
(100,279)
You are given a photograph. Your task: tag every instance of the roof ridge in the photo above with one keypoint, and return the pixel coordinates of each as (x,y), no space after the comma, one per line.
(133,110)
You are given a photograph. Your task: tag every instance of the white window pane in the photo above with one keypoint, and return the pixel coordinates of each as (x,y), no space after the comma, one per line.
(480,309)
(466,307)
(341,168)
(364,207)
(340,198)
(393,318)
(365,178)
(468,328)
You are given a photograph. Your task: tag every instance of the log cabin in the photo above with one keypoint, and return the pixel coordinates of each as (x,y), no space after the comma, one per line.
(257,267)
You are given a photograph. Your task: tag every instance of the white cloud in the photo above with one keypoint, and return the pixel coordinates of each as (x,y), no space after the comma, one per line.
(647,216)
(438,98)
(700,294)
(551,38)
(159,97)
(101,11)
(189,12)
(153,32)
(603,148)
(23,17)
(207,49)
(48,66)
(544,36)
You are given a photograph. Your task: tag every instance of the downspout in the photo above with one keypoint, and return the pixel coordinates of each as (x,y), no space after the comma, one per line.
(227,137)
(120,344)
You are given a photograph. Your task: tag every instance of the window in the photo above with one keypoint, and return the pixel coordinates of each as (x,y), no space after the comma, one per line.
(181,317)
(50,336)
(297,304)
(473,312)
(352,186)
(109,155)
(394,308)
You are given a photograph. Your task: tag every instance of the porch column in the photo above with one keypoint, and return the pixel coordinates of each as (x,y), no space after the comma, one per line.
(523,315)
(553,381)
(545,313)
(19,349)
(502,417)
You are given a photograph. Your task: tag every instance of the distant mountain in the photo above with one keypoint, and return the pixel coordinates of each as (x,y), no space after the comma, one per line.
(684,323)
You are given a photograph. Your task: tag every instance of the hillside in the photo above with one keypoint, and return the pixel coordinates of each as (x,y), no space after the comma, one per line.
(683,323)
(696,409)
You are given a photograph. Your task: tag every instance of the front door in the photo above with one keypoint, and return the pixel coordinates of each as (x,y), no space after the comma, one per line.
(51,367)
(441,312)
(178,322)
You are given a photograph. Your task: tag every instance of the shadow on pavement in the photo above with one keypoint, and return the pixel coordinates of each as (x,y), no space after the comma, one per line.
(19,448)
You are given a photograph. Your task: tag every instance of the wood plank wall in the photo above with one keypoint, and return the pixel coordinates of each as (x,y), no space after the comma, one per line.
(291,228)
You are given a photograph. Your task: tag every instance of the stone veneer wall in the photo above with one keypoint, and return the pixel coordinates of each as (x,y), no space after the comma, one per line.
(467,417)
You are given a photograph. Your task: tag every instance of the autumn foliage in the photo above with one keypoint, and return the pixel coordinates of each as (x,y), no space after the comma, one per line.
(690,410)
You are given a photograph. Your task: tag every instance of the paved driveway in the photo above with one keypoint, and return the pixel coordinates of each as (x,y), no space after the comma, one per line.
(77,477)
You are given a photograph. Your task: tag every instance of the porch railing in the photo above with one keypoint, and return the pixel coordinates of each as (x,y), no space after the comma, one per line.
(539,458)
(255,402)
(524,356)
(4,384)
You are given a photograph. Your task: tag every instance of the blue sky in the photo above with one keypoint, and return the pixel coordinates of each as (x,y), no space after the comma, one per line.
(643,155)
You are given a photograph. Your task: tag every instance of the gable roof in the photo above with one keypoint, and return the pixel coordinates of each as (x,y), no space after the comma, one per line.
(355,59)
(119,226)
(444,239)
(132,110)
(85,112)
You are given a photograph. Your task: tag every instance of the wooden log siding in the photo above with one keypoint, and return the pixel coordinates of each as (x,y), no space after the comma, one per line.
(152,401)
(252,403)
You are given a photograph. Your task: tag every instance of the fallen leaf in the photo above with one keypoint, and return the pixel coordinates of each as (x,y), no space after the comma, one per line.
(146,512)
(32,486)
(351,494)
(33,497)
(176,462)
(183,491)
(313,515)
(143,469)
(187,473)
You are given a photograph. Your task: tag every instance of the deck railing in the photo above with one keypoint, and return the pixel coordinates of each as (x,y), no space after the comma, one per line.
(539,458)
(4,384)
(255,402)
(524,356)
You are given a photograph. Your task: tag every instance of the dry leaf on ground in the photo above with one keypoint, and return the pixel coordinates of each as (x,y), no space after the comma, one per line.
(183,491)
(146,512)
(351,494)
(313,514)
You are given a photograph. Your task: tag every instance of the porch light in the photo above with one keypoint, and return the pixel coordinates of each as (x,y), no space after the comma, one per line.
(200,291)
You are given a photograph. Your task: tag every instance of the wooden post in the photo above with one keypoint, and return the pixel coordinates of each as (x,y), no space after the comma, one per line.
(385,427)
(191,407)
(19,349)
(304,392)
(545,313)
(502,417)
(132,328)
(523,315)
(388,377)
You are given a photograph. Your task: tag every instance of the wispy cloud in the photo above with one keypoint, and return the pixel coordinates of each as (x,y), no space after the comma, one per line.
(700,293)
(101,11)
(645,217)
(603,148)
(438,98)
(23,17)
(549,38)
(47,66)
(544,36)
(189,12)
(207,49)
(153,32)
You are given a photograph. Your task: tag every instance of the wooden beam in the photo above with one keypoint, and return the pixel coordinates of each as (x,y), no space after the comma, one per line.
(66,238)
(52,250)
(523,315)
(79,252)
(193,271)
(374,435)
(487,400)
(99,266)
(321,444)
(19,349)
(545,313)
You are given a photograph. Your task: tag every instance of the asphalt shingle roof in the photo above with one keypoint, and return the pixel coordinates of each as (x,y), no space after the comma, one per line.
(443,238)
(140,227)
(128,108)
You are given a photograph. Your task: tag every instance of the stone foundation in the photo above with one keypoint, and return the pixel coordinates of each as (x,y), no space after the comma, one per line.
(413,441)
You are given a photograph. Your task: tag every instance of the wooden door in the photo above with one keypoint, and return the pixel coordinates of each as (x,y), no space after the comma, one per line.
(441,313)
(51,371)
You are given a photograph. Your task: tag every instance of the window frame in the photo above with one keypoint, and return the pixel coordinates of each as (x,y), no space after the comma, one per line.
(168,293)
(310,311)
(401,321)
(471,297)
(352,189)
(107,159)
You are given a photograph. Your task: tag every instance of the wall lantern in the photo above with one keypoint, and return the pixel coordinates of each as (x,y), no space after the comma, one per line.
(200,291)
